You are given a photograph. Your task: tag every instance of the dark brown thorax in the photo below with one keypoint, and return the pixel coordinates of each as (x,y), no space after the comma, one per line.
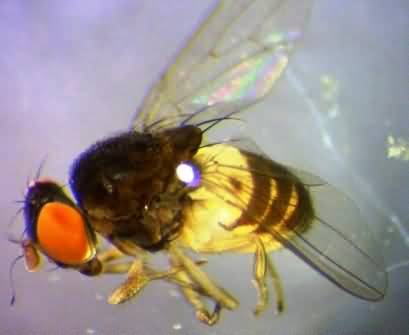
(127,185)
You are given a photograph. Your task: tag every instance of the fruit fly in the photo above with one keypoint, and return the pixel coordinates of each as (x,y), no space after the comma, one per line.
(165,186)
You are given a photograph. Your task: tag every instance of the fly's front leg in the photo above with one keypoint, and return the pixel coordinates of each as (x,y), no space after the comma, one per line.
(193,296)
(202,281)
(110,254)
(109,259)
(139,275)
(262,264)
(136,281)
(106,261)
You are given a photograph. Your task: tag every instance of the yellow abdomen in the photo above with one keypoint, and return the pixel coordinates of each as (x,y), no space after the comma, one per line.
(242,195)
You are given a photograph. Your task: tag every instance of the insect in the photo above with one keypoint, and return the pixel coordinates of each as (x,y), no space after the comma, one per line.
(165,186)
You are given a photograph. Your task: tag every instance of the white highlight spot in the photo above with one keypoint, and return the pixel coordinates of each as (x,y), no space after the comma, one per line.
(177,326)
(185,173)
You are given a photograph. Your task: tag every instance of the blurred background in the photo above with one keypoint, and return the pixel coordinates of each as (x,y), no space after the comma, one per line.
(73,73)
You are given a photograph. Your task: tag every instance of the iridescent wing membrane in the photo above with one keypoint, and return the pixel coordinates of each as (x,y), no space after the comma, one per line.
(232,62)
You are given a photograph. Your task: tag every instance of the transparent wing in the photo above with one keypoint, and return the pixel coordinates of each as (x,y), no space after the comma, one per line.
(337,242)
(340,245)
(236,55)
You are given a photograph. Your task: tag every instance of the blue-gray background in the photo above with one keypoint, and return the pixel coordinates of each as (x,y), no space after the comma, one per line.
(73,72)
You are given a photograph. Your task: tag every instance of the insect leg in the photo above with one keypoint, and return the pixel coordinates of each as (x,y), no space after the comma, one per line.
(193,296)
(262,264)
(123,248)
(260,276)
(277,284)
(108,256)
(103,263)
(122,267)
(136,281)
(200,278)
(139,275)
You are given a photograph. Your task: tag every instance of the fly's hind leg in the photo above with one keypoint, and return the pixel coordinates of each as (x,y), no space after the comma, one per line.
(278,286)
(262,265)
(260,277)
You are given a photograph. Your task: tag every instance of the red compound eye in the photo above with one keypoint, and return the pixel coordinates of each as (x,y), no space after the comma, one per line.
(62,234)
